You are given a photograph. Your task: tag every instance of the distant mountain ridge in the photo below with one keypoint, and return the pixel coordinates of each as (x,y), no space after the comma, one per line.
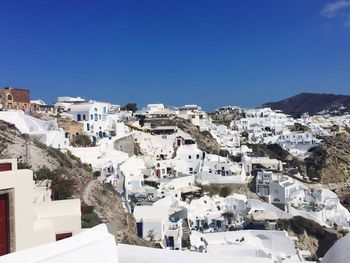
(311,103)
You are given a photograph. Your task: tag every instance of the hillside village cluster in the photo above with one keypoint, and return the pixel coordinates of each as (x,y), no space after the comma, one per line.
(165,179)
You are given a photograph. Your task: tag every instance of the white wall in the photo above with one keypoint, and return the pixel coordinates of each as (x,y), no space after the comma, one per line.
(21,182)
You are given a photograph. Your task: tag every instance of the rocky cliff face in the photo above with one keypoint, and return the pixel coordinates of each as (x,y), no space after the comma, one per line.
(311,236)
(226,118)
(330,162)
(205,140)
(109,207)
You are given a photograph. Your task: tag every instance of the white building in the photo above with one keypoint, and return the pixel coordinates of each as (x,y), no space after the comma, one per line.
(64,103)
(160,223)
(275,246)
(321,205)
(132,170)
(220,170)
(46,132)
(196,115)
(189,158)
(260,124)
(29,217)
(228,139)
(99,157)
(98,120)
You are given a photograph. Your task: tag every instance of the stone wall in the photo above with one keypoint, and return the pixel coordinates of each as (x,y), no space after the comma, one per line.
(125,144)
(71,128)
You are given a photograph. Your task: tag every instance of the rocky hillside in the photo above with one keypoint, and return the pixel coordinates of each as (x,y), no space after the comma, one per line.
(109,207)
(330,162)
(204,139)
(311,103)
(226,118)
(311,236)
(100,203)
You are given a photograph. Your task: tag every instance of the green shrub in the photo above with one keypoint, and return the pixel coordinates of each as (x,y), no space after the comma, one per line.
(96,174)
(22,165)
(231,228)
(225,191)
(213,189)
(130,107)
(61,187)
(229,216)
(90,219)
(205,226)
(81,140)
(44,173)
(87,167)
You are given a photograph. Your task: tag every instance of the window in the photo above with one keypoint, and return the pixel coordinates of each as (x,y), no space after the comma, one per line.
(96,117)
(99,116)
(63,236)
(88,126)
(91,117)
(197,156)
(191,169)
(189,157)
(84,117)
(79,117)
(5,167)
(9,97)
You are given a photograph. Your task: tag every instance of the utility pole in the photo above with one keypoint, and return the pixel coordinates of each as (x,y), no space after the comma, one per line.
(26,138)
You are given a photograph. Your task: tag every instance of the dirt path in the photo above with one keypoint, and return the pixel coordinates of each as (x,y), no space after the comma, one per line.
(87,191)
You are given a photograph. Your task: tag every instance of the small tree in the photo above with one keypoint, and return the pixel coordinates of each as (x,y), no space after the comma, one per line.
(205,226)
(228,216)
(130,107)
(225,191)
(97,174)
(44,173)
(61,187)
(81,140)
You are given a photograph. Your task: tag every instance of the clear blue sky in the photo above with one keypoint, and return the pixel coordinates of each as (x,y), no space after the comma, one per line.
(206,52)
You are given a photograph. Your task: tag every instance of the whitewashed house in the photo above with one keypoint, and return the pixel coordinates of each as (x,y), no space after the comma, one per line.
(256,163)
(189,158)
(64,103)
(160,223)
(196,115)
(98,120)
(28,215)
(220,170)
(132,170)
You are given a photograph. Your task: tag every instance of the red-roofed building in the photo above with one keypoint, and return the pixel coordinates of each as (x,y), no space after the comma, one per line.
(13,98)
